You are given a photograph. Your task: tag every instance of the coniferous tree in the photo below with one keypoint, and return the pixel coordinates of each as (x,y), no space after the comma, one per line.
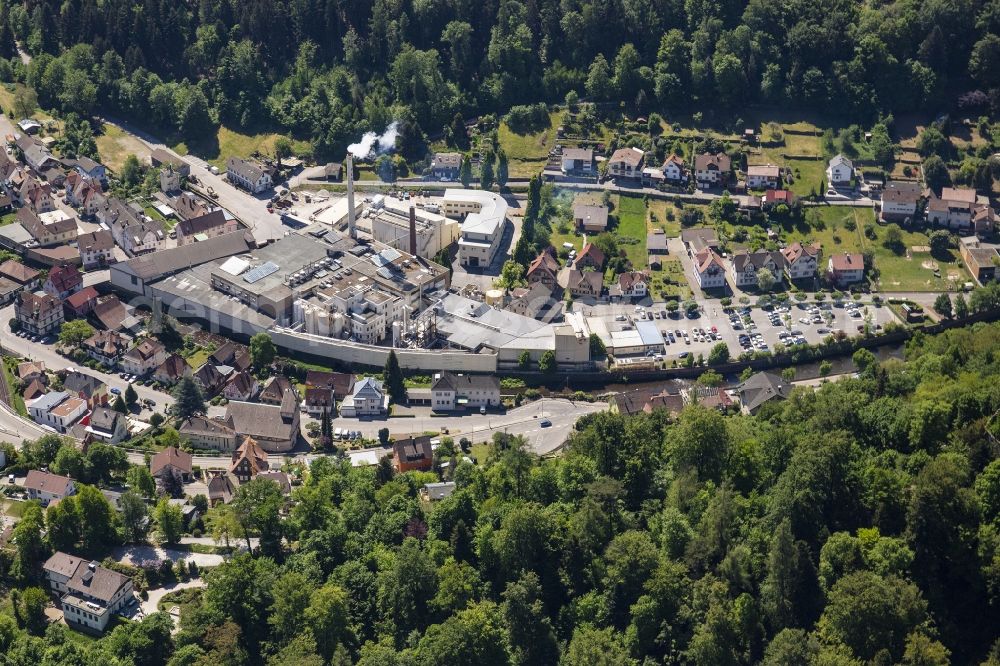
(393,375)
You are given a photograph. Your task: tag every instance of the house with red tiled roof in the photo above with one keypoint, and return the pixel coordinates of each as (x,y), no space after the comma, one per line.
(800,261)
(775,197)
(846,268)
(106,347)
(590,256)
(709,269)
(543,269)
(63,280)
(634,284)
(81,303)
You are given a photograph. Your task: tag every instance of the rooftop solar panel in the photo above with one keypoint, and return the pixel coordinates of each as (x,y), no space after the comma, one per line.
(261,272)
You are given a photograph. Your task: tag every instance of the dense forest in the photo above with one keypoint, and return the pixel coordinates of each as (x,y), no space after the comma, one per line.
(855,524)
(325,70)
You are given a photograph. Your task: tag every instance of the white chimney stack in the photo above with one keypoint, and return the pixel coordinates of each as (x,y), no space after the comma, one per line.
(350,196)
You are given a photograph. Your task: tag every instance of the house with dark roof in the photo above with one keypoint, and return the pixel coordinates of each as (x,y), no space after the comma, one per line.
(26,276)
(746,266)
(209,379)
(450,391)
(161,157)
(90,595)
(435,492)
(204,433)
(581,284)
(413,453)
(144,357)
(97,249)
(171,461)
(87,387)
(632,284)
(341,383)
(274,389)
(173,368)
(648,400)
(531,301)
(712,170)
(320,400)
(761,388)
(274,427)
(106,347)
(87,168)
(248,175)
(204,227)
(446,166)
(241,386)
(368,399)
(221,488)
(248,461)
(46,487)
(108,425)
(38,315)
(590,218)
(110,314)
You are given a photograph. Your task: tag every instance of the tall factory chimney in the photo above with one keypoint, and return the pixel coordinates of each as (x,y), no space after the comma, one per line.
(413,231)
(350,196)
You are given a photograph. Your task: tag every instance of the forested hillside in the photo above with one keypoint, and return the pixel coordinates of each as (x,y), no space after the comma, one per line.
(325,70)
(859,524)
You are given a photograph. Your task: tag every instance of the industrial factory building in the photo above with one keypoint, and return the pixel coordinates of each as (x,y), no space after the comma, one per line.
(483,216)
(403,226)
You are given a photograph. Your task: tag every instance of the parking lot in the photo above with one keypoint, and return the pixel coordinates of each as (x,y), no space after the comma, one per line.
(745,329)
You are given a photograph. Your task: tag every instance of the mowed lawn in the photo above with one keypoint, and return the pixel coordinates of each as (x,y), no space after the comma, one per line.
(631,230)
(801,141)
(230,143)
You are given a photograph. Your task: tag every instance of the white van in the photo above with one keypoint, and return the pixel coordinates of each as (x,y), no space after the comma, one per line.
(338,433)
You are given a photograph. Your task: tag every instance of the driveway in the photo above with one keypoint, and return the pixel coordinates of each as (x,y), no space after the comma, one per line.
(151,604)
(146,554)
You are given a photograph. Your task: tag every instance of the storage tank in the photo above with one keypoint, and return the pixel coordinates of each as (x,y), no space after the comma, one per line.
(494,297)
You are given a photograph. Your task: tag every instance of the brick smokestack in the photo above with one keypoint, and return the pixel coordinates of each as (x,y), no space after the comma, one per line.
(350,197)
(413,231)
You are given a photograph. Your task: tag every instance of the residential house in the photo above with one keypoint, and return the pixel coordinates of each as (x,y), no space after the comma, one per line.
(233,355)
(800,261)
(89,594)
(80,304)
(435,492)
(582,284)
(839,171)
(249,460)
(202,432)
(633,284)
(710,397)
(709,269)
(170,180)
(63,280)
(960,209)
(446,166)
(221,488)
(108,425)
(530,301)
(275,427)
(37,198)
(28,278)
(29,125)
(97,249)
(761,388)
(712,170)
(413,453)
(173,368)
(47,229)
(368,399)
(274,390)
(32,370)
(144,357)
(241,386)
(83,194)
(578,162)
(36,155)
(46,487)
(900,201)
(319,401)
(656,248)
(626,163)
(450,391)
(846,268)
(248,174)
(58,410)
(746,266)
(590,256)
(591,219)
(188,206)
(648,400)
(171,461)
(776,197)
(674,170)
(54,176)
(209,379)
(8,291)
(88,388)
(106,347)
(111,315)
(206,226)
(161,157)
(763,176)
(38,314)
(34,391)
(543,270)
(981,261)
(87,168)
(132,230)
(280,478)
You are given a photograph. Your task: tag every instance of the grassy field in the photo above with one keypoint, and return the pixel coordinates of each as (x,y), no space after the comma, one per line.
(7,219)
(114,146)
(659,213)
(528,153)
(230,143)
(631,212)
(16,400)
(670,280)
(197,359)
(13,508)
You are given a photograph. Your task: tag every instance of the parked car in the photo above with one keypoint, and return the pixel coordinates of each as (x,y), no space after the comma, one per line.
(545,423)
(115,390)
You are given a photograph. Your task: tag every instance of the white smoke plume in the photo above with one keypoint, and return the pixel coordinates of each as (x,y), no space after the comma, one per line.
(377,143)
